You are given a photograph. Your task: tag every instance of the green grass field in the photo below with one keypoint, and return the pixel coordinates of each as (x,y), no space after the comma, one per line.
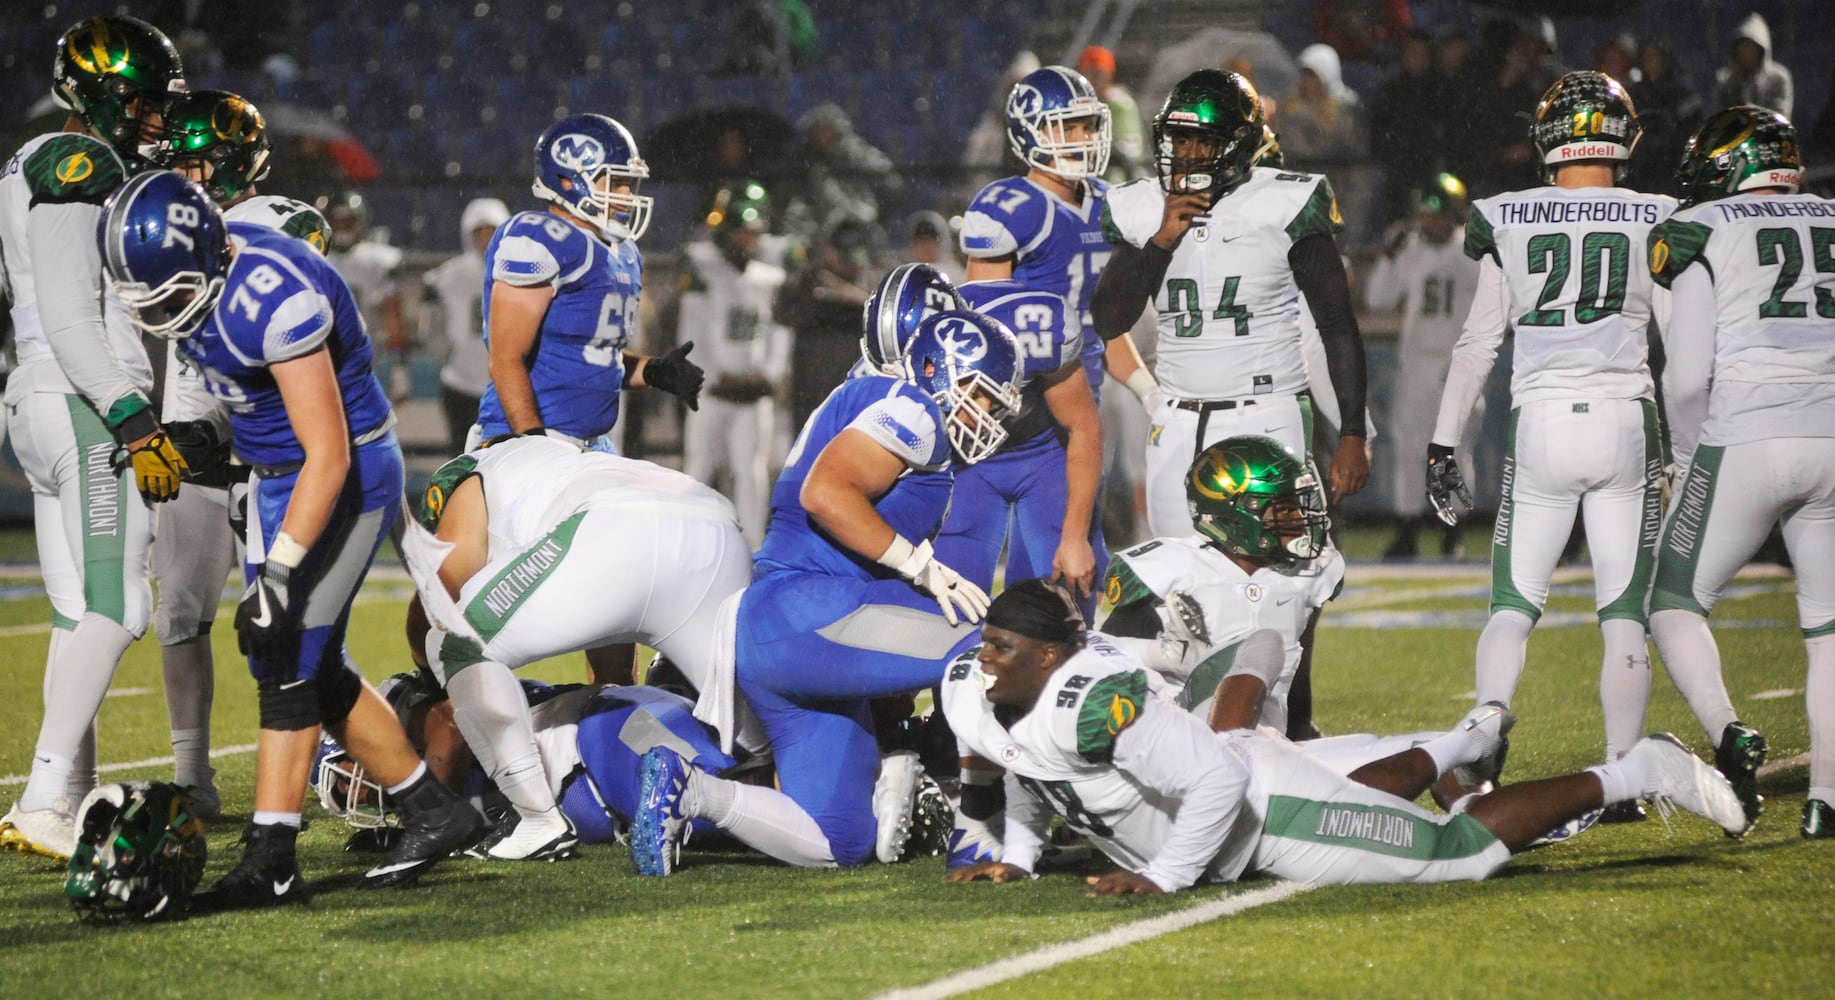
(1641,910)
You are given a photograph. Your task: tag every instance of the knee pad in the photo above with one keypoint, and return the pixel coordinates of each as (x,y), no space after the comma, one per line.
(338,695)
(289,709)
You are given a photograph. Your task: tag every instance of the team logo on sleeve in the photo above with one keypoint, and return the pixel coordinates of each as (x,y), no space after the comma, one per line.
(1122,711)
(1659,255)
(74,168)
(578,152)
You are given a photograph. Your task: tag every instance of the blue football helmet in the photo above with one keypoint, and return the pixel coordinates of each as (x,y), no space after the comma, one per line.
(909,295)
(956,356)
(165,251)
(1038,109)
(579,164)
(347,791)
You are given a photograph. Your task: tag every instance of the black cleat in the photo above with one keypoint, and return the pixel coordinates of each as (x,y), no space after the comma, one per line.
(268,875)
(437,823)
(1738,757)
(1818,820)
(1628,811)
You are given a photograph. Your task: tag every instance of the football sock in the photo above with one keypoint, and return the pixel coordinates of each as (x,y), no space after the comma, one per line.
(83,773)
(264,817)
(191,758)
(493,714)
(189,673)
(420,771)
(75,682)
(1624,684)
(1819,700)
(1693,661)
(1450,749)
(1500,656)
(764,819)
(1623,779)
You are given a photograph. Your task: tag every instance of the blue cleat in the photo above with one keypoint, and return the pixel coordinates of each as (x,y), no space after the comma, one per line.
(658,828)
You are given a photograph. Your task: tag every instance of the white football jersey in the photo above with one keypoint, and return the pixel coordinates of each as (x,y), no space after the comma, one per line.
(1575,290)
(1772,262)
(458,286)
(1103,752)
(728,314)
(369,269)
(1433,285)
(1228,307)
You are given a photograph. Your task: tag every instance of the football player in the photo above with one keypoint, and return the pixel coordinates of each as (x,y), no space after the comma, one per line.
(278,339)
(81,403)
(1174,802)
(1223,249)
(370,268)
(728,290)
(1750,391)
(1259,564)
(1043,229)
(908,295)
(1559,265)
(1426,273)
(455,291)
(848,600)
(531,548)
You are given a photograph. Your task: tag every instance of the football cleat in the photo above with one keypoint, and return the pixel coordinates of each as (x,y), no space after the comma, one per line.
(436,822)
(1628,811)
(1818,820)
(932,817)
(48,832)
(894,795)
(974,841)
(268,875)
(1676,777)
(1489,725)
(1739,756)
(658,828)
(206,804)
(1568,830)
(548,837)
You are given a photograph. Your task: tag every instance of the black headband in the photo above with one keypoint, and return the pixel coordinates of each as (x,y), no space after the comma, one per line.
(1038,609)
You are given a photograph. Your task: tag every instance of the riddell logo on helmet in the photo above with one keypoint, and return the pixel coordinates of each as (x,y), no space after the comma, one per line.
(1591,151)
(1783,177)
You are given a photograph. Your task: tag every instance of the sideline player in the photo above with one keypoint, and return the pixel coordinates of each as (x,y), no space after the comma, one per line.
(1224,249)
(531,548)
(848,601)
(1561,266)
(80,406)
(1173,802)
(278,339)
(1750,390)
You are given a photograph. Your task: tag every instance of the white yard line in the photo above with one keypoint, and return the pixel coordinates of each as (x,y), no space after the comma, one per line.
(1117,937)
(20,779)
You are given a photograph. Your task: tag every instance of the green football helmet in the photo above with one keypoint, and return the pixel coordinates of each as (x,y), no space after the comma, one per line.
(348,213)
(1252,497)
(1739,149)
(222,130)
(139,853)
(1222,108)
(1443,193)
(105,64)
(742,206)
(1585,116)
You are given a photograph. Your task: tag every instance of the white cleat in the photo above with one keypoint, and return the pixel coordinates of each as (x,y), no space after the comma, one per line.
(49,832)
(547,837)
(894,796)
(1489,725)
(1677,777)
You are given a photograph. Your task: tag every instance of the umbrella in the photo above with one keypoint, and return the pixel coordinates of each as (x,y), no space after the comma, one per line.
(314,129)
(696,146)
(1275,73)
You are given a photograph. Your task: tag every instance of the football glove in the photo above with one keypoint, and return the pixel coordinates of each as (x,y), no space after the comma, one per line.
(204,449)
(238,504)
(673,373)
(158,467)
(1444,483)
(959,599)
(263,628)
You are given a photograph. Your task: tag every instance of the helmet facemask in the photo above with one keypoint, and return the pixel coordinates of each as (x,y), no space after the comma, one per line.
(347,792)
(1192,160)
(176,308)
(1055,150)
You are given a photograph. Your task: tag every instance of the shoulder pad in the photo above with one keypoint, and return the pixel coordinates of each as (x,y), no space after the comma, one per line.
(1110,705)
(72,167)
(1674,245)
(1319,216)
(446,481)
(1479,239)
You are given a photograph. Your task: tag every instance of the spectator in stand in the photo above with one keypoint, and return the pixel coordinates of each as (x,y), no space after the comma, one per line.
(1507,76)
(845,177)
(1751,76)
(1406,126)
(1362,29)
(932,243)
(1669,111)
(823,304)
(1319,120)
(984,156)
(1127,133)
(455,292)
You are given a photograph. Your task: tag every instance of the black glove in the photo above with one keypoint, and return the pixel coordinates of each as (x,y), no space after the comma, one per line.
(204,449)
(675,374)
(1444,483)
(238,502)
(264,630)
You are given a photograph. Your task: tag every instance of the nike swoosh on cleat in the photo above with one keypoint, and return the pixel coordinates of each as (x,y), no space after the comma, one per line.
(381,871)
(280,888)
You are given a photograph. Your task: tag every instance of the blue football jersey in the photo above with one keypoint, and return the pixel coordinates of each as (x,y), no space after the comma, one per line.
(1056,246)
(905,422)
(1047,345)
(281,300)
(578,367)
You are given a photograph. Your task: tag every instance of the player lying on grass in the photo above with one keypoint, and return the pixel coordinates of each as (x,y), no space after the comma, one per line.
(1174,800)
(532,548)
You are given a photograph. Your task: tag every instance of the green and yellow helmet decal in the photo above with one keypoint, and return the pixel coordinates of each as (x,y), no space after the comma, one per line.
(103,65)
(1219,106)
(1231,487)
(1739,149)
(289,215)
(1584,116)
(222,130)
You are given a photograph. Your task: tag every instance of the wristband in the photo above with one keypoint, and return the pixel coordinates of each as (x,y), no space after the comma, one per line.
(898,554)
(286,552)
(1141,382)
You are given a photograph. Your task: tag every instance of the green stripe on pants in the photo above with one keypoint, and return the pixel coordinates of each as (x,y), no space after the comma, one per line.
(1377,829)
(490,611)
(1629,604)
(1504,595)
(104,494)
(1680,551)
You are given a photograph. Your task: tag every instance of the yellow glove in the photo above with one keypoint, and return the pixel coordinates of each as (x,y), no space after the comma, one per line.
(157,467)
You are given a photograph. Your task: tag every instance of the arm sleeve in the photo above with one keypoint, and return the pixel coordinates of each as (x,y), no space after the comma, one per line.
(1028,825)
(1127,284)
(1319,272)
(1176,756)
(68,267)
(1473,355)
(1689,366)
